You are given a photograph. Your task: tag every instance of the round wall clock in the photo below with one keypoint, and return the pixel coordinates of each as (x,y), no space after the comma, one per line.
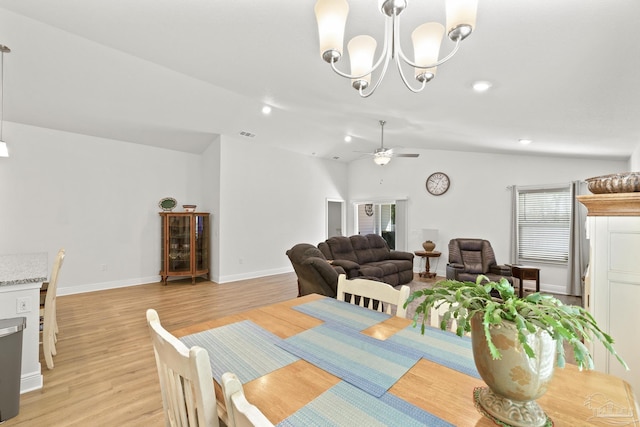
(438,183)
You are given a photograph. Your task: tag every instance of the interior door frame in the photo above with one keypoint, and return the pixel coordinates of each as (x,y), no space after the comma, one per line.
(328,212)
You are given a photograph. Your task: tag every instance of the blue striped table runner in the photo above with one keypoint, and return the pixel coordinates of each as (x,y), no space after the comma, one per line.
(344,405)
(442,347)
(344,313)
(243,348)
(368,363)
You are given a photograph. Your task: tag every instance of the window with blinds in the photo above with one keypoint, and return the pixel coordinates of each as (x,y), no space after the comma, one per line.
(543,224)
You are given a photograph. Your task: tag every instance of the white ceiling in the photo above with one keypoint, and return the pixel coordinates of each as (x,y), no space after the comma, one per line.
(175,73)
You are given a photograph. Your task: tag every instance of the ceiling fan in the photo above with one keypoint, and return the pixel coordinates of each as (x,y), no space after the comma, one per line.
(382,155)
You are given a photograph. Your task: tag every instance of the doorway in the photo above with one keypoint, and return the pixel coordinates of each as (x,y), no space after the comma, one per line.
(336,218)
(386,218)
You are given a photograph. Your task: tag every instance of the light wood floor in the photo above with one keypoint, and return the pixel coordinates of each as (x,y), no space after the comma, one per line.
(104,372)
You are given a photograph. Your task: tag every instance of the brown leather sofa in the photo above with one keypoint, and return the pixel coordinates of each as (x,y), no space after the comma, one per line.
(369,256)
(469,258)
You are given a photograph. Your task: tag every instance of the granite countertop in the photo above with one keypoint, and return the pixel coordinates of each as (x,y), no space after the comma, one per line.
(16,269)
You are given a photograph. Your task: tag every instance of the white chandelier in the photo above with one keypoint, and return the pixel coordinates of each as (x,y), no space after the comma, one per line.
(332,16)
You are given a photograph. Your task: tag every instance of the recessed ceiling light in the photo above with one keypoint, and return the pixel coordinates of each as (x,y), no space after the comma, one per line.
(524,141)
(482,86)
(266,110)
(347,138)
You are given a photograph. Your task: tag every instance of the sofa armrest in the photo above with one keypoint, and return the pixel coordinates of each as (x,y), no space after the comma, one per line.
(351,269)
(453,270)
(503,270)
(401,255)
(327,271)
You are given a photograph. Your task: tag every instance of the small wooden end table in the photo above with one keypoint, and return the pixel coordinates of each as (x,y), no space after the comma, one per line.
(522,273)
(426,255)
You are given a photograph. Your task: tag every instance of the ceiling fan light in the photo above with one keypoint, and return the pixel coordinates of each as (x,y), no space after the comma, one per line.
(331,16)
(426,46)
(381,159)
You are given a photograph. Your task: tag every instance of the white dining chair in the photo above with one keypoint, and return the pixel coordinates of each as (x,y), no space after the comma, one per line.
(48,314)
(435,317)
(186,383)
(374,291)
(240,412)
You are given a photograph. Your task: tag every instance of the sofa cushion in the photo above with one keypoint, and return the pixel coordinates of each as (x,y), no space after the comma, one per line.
(386,267)
(361,248)
(341,248)
(472,261)
(378,247)
(371,270)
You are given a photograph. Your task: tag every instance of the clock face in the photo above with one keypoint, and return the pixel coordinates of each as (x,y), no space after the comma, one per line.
(437,183)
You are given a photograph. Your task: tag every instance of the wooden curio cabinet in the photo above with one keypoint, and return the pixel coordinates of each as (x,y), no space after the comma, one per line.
(185,245)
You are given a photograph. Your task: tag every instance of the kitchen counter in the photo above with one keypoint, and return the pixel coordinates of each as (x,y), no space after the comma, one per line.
(21,277)
(16,269)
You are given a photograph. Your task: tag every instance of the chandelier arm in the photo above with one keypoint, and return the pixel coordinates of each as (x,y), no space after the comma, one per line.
(405,81)
(435,64)
(384,54)
(398,54)
(380,77)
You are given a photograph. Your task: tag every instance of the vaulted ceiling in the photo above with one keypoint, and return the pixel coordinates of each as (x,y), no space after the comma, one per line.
(176,73)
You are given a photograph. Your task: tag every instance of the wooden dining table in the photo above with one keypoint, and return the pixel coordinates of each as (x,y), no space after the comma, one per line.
(574,397)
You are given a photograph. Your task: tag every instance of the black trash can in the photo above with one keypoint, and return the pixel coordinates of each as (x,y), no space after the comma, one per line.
(10,365)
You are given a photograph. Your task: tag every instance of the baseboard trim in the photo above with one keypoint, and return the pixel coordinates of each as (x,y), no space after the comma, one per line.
(102,286)
(31,381)
(253,275)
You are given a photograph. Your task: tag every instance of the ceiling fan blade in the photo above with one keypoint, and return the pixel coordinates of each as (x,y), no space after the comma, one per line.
(406,155)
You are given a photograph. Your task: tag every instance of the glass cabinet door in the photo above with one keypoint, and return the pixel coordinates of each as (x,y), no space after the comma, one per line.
(202,242)
(179,243)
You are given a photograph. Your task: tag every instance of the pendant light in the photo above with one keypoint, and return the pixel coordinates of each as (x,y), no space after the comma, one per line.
(4,151)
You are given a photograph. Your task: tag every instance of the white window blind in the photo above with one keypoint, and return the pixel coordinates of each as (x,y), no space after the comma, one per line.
(544,221)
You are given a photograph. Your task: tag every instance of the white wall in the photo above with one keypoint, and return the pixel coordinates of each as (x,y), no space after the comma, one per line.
(270,200)
(97,198)
(634,161)
(211,195)
(477,203)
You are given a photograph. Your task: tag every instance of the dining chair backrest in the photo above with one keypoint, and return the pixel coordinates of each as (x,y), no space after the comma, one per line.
(186,383)
(373,290)
(435,318)
(49,312)
(240,412)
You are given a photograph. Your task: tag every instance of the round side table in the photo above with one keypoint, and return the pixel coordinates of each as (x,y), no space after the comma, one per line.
(426,255)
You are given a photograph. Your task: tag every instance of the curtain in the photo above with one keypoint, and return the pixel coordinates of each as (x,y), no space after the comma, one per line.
(578,244)
(514,223)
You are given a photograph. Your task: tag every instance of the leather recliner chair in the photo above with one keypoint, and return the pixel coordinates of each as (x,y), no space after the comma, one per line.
(469,258)
(315,273)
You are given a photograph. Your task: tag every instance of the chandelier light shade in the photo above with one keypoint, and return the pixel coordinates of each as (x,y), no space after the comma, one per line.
(331,16)
(4,149)
(426,48)
(361,51)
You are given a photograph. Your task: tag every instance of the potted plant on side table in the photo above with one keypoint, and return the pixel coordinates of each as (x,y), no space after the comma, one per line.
(516,341)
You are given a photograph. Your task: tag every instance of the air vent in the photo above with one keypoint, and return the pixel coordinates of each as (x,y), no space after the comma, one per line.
(247,134)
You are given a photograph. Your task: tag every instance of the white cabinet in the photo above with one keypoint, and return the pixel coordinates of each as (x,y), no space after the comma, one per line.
(612,285)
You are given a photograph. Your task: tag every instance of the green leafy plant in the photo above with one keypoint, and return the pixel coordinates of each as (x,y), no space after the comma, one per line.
(464,300)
